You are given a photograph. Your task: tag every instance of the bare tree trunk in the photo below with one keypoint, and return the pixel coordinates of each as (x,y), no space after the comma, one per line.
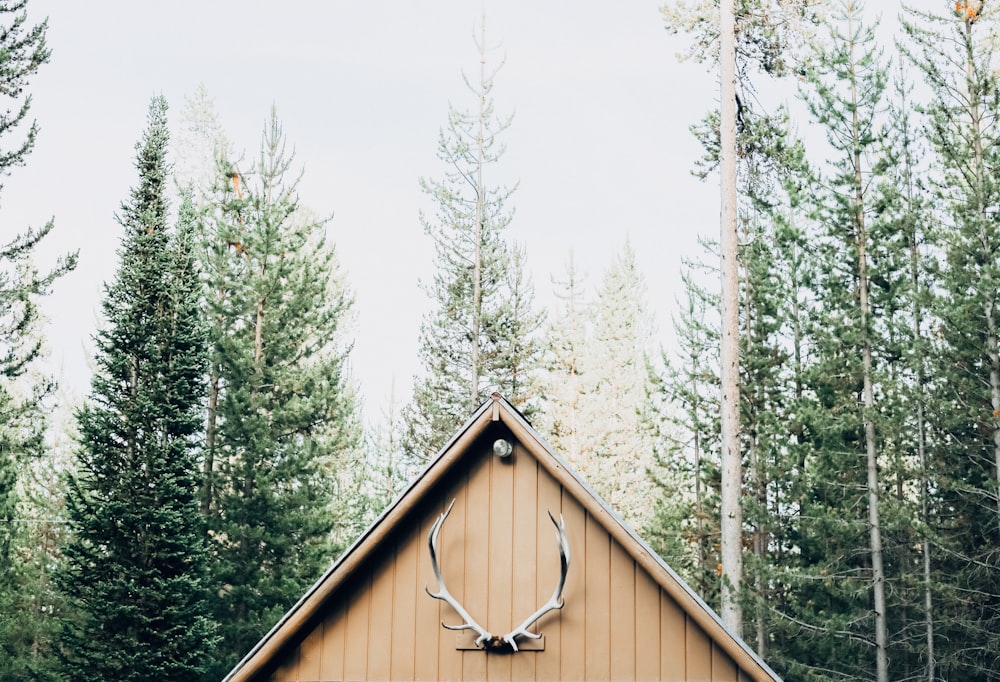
(732,466)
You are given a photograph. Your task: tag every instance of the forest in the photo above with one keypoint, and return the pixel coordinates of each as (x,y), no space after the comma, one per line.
(222,460)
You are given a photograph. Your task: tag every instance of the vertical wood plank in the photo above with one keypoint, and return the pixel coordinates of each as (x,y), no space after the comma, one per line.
(499,591)
(673,639)
(698,652)
(476,546)
(452,562)
(310,654)
(723,667)
(358,610)
(532,569)
(331,666)
(427,626)
(548,662)
(623,614)
(380,618)
(648,642)
(403,607)
(597,645)
(288,670)
(574,615)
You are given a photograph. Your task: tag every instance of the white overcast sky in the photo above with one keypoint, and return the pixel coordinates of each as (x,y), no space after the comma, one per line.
(600,140)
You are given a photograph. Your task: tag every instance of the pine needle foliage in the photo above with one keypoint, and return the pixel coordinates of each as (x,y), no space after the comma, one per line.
(135,565)
(283,432)
(480,335)
(25,395)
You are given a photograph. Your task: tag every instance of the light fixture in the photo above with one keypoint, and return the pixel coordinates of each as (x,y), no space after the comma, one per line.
(502,448)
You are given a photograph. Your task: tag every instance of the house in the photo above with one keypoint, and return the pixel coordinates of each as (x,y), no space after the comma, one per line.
(544,580)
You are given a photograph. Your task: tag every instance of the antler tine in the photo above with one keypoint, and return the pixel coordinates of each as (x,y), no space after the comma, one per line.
(443,594)
(555,601)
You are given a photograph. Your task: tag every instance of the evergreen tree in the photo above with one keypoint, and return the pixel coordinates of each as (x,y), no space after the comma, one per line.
(847,83)
(955,52)
(597,384)
(386,457)
(684,529)
(480,336)
(565,369)
(135,566)
(618,450)
(38,608)
(772,169)
(282,431)
(903,256)
(24,394)
(753,35)
(200,141)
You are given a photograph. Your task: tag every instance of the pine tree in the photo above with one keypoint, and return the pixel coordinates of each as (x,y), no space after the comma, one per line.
(24,394)
(771,169)
(955,52)
(751,36)
(565,366)
(200,141)
(135,566)
(684,529)
(597,384)
(38,607)
(618,450)
(386,456)
(903,256)
(282,430)
(847,83)
(480,335)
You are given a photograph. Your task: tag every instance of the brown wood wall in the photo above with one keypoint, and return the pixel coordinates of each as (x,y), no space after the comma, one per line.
(617,624)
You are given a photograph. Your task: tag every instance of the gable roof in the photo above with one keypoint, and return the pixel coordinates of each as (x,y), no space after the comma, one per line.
(297,619)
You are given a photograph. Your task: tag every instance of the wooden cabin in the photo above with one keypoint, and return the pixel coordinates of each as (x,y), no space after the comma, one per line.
(625,615)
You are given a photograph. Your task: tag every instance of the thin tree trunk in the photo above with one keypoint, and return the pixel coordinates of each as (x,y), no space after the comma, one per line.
(924,512)
(208,466)
(477,274)
(699,512)
(875,529)
(874,525)
(922,458)
(916,311)
(732,466)
(755,471)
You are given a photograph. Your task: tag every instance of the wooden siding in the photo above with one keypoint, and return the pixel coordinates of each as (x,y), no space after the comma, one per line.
(617,623)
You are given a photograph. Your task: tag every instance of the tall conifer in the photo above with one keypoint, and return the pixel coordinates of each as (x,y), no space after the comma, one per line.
(282,430)
(135,564)
(955,51)
(847,81)
(597,383)
(480,336)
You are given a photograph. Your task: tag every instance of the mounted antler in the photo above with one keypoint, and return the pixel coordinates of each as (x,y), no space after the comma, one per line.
(443,593)
(555,601)
(486,639)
